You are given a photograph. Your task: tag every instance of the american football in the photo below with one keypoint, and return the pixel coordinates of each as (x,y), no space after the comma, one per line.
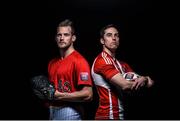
(130,75)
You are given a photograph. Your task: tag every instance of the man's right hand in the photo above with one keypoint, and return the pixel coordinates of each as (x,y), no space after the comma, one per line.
(139,82)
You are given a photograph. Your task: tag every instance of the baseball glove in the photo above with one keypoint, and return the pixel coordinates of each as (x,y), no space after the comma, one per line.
(42,87)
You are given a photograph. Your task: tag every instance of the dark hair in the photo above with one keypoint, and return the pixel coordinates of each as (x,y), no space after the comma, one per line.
(67,22)
(102,31)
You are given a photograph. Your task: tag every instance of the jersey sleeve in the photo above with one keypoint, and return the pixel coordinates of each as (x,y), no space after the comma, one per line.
(51,72)
(107,70)
(83,72)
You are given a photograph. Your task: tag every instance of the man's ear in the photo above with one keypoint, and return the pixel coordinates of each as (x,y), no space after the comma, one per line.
(74,38)
(102,41)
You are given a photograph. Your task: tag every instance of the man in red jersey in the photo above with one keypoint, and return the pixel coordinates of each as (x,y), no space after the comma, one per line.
(111,77)
(70,74)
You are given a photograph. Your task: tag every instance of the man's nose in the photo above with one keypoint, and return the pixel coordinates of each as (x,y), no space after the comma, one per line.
(113,37)
(62,37)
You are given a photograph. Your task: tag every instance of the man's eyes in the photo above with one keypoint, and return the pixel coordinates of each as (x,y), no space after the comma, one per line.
(66,34)
(110,34)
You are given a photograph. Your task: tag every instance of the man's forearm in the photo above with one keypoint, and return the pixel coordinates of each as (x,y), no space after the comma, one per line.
(78,96)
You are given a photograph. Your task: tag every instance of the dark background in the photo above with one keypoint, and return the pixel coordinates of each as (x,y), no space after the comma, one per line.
(148,44)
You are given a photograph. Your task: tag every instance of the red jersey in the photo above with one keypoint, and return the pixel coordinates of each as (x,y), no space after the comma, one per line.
(70,73)
(103,69)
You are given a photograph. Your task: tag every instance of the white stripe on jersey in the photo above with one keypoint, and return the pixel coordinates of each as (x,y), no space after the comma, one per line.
(114,64)
(110,105)
(122,71)
(121,110)
(98,79)
(106,59)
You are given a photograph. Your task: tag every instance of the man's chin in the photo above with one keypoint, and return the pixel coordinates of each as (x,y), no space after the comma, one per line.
(62,46)
(114,48)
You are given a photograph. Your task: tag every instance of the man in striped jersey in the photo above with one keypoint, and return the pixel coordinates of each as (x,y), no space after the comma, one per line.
(108,75)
